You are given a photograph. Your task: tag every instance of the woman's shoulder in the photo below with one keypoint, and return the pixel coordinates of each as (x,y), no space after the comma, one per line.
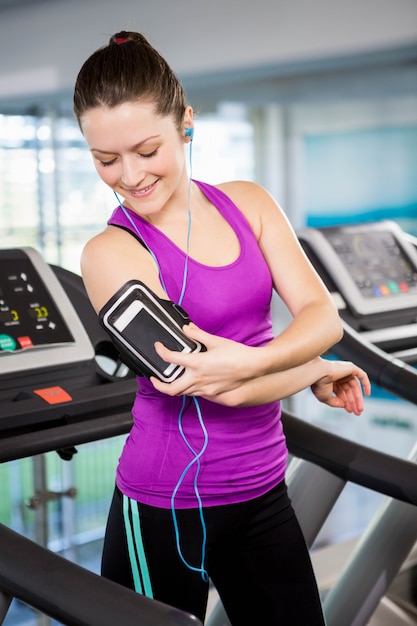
(111,258)
(253,200)
(108,240)
(241,188)
(247,195)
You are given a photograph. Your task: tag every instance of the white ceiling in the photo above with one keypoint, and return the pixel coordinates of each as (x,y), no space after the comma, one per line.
(292,55)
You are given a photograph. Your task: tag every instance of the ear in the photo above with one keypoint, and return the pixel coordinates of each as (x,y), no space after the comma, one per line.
(188,122)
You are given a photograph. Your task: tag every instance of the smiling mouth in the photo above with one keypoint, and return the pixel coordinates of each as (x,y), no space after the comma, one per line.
(141,192)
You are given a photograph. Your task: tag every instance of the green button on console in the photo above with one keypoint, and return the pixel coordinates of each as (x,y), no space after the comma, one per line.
(7,343)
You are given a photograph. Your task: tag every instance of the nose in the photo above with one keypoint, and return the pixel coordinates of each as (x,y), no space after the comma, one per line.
(132,173)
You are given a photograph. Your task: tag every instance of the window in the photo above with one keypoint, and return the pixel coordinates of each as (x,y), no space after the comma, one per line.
(51,197)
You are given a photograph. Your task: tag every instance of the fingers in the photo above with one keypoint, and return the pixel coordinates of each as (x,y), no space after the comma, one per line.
(358,386)
(345,388)
(192,330)
(352,387)
(366,384)
(167,355)
(180,385)
(168,389)
(171,356)
(350,392)
(182,358)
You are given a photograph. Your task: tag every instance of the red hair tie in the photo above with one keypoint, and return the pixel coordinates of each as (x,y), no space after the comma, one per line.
(120,40)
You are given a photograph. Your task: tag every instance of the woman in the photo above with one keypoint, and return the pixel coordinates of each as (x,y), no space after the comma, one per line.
(200,487)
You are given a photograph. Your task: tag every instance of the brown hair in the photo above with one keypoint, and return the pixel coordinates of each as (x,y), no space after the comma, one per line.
(128,69)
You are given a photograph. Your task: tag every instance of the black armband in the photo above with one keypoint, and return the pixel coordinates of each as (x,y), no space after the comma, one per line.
(135,318)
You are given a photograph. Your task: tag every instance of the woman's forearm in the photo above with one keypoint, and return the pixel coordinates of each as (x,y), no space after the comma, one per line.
(316,329)
(276,386)
(339,384)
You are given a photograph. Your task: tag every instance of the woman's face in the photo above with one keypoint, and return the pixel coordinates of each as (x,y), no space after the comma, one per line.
(138,153)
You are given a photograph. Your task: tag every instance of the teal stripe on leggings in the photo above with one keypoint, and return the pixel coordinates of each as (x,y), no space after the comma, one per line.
(136,549)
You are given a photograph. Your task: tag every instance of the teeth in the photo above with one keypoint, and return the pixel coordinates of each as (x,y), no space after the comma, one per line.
(140,192)
(143,190)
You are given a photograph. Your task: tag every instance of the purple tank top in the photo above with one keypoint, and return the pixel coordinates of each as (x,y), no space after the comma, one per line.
(246,453)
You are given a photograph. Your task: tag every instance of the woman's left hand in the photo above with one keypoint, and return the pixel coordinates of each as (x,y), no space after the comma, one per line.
(343,387)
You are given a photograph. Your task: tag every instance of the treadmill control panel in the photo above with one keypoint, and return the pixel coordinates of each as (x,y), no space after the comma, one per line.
(373,266)
(39,327)
(28,315)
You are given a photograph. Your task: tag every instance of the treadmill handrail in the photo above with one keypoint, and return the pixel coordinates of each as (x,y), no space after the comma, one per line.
(385,370)
(73,595)
(19,446)
(391,333)
(351,461)
(346,459)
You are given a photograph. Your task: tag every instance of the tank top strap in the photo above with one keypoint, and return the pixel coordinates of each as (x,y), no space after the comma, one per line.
(226,207)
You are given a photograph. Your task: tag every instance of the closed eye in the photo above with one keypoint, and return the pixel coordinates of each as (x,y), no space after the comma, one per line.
(144,156)
(107,163)
(149,154)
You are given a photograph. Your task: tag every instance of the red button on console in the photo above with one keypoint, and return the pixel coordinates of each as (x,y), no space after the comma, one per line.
(53,395)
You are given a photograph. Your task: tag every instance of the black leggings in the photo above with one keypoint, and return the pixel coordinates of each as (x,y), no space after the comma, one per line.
(256,557)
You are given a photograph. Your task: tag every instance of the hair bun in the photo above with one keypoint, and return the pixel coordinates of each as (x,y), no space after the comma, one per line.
(124,36)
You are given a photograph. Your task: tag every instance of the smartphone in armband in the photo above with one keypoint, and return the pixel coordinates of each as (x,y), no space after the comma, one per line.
(135,318)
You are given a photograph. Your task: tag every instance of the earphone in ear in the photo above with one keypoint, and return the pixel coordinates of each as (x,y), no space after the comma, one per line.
(189,132)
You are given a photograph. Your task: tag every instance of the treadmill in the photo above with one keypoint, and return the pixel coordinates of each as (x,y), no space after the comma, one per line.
(62,390)
(59,371)
(371,272)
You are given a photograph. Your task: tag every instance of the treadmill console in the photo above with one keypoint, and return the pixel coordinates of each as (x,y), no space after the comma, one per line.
(51,354)
(371,271)
(373,266)
(39,328)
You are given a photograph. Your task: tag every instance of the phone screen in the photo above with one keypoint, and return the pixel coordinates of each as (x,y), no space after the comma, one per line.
(142,330)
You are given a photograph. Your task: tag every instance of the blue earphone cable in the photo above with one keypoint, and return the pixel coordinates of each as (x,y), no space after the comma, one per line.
(195,459)
(185,274)
(197,455)
(135,227)
(187,254)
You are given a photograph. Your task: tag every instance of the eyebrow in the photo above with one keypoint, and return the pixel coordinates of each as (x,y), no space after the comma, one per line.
(138,145)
